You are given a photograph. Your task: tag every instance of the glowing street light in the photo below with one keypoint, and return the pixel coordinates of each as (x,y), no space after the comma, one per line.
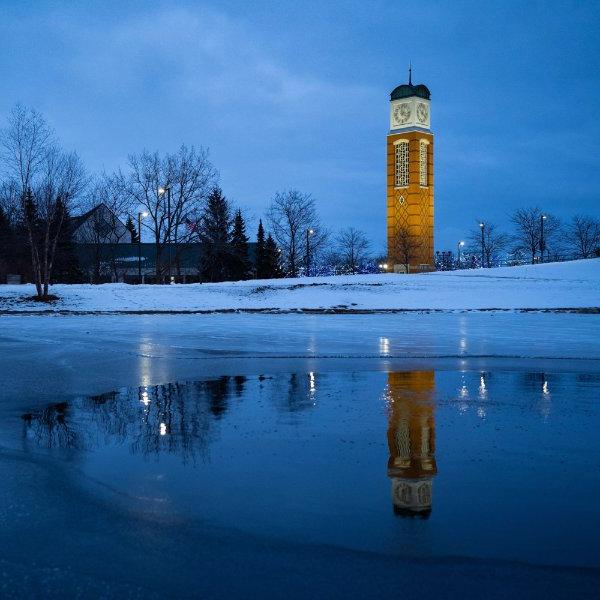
(482,226)
(460,245)
(309,232)
(141,215)
(542,219)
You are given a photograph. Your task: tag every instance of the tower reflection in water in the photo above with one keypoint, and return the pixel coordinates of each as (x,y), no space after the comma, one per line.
(411,441)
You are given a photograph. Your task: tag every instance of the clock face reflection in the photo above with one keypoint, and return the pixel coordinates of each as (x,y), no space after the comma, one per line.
(422,113)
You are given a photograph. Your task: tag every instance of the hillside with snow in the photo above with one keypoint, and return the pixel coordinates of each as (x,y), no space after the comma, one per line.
(569,285)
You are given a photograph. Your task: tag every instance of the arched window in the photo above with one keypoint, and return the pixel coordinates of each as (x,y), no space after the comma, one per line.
(423,162)
(401,154)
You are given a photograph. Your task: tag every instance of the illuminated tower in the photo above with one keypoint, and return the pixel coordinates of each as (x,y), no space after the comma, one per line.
(411,441)
(410,180)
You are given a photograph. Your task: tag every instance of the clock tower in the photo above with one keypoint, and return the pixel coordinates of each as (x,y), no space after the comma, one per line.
(410,180)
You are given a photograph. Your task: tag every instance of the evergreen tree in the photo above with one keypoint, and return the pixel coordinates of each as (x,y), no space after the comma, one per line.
(7,258)
(240,261)
(21,253)
(66,264)
(272,259)
(214,233)
(30,230)
(133,232)
(260,258)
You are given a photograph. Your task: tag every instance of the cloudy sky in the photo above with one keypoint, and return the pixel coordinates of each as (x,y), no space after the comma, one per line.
(295,95)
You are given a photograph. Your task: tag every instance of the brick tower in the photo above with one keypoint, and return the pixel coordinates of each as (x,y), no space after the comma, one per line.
(410,180)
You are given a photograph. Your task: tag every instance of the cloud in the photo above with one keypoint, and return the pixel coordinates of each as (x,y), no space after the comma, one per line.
(199,56)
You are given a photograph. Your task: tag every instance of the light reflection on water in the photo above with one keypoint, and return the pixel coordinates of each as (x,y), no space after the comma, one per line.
(500,457)
(411,441)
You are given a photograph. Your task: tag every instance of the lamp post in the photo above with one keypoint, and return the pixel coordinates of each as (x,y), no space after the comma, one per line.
(458,247)
(141,215)
(542,219)
(161,191)
(482,226)
(309,232)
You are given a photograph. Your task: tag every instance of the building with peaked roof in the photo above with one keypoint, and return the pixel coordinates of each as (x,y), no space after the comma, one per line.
(99,225)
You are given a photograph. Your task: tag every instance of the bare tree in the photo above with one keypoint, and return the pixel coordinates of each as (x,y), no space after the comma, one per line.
(172,189)
(405,247)
(494,242)
(352,249)
(25,144)
(48,180)
(528,235)
(583,236)
(296,228)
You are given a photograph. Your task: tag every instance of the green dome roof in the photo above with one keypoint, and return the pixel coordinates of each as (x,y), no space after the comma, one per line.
(406,90)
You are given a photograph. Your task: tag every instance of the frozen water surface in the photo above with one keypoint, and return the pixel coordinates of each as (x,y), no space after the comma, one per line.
(43,356)
(300,456)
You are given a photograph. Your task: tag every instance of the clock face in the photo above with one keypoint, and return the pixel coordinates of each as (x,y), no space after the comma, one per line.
(422,112)
(402,114)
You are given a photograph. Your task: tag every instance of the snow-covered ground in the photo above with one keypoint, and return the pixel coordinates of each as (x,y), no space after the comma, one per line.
(547,286)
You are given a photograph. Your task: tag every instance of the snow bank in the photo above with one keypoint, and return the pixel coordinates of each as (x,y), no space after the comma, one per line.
(548,286)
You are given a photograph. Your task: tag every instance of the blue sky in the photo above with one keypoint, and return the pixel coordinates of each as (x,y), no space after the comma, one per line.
(295,95)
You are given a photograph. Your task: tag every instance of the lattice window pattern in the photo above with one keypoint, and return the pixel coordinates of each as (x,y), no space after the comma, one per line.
(403,440)
(401,179)
(423,163)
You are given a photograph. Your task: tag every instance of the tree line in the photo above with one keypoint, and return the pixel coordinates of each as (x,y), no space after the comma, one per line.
(536,236)
(174,198)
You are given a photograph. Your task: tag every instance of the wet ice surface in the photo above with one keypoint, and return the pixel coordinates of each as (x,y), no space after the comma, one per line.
(432,457)
(42,357)
(346,459)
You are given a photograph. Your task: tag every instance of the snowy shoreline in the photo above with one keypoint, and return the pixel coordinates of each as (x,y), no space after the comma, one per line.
(554,287)
(592,310)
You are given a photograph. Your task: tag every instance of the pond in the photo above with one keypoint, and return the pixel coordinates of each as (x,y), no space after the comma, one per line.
(487,465)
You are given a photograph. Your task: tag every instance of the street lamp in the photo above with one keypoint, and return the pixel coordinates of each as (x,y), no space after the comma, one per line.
(309,232)
(482,226)
(141,215)
(542,219)
(161,191)
(460,245)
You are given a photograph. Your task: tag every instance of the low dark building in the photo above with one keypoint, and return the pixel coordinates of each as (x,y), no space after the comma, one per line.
(124,262)
(106,253)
